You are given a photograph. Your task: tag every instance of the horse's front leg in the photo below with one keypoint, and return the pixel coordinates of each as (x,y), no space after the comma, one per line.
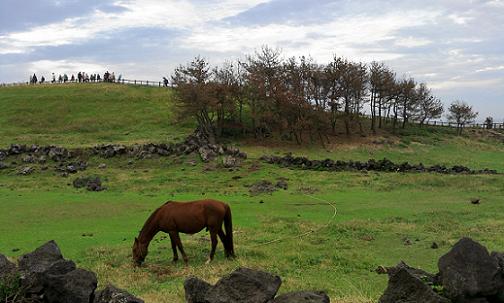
(179,244)
(213,237)
(174,247)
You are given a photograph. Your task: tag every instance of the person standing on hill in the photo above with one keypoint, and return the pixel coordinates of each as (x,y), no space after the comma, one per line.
(72,79)
(34,79)
(53,78)
(65,78)
(165,82)
(42,80)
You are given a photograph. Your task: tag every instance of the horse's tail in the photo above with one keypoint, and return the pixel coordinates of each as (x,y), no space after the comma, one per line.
(228,226)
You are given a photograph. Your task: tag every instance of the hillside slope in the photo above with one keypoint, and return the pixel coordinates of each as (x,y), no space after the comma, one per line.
(84,114)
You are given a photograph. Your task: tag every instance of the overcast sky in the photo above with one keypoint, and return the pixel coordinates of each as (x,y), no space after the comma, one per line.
(456,46)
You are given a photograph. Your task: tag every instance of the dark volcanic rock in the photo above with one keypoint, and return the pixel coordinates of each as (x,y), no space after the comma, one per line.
(303,297)
(33,265)
(26,171)
(230,161)
(91,183)
(77,286)
(282,184)
(7,268)
(112,294)
(262,187)
(206,153)
(40,259)
(195,290)
(417,273)
(468,271)
(244,286)
(404,287)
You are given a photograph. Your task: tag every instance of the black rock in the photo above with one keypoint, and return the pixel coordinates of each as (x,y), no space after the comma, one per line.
(26,171)
(7,268)
(77,286)
(244,286)
(41,259)
(303,297)
(468,271)
(195,290)
(417,273)
(404,287)
(92,183)
(33,266)
(112,294)
(282,184)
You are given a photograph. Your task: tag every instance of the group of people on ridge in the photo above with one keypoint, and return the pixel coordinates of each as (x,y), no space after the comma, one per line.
(81,77)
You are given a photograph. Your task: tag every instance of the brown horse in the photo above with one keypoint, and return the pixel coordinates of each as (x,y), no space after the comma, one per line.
(187,218)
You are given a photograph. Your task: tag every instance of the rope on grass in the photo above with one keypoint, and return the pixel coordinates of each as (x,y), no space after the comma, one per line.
(308,232)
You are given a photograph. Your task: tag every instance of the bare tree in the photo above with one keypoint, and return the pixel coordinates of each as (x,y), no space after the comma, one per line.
(489,122)
(461,113)
(194,94)
(427,106)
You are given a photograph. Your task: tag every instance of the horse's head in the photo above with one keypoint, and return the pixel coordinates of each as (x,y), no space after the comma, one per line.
(139,252)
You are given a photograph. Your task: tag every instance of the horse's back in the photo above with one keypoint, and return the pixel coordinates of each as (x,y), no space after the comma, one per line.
(192,216)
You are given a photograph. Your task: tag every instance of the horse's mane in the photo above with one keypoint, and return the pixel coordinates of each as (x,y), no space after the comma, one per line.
(152,216)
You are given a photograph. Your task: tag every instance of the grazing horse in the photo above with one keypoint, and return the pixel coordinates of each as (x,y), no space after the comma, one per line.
(187,218)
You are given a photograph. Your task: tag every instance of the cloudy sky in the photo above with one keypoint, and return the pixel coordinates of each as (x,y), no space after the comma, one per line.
(456,46)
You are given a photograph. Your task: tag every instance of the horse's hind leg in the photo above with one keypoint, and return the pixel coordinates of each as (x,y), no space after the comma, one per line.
(223,239)
(174,247)
(213,237)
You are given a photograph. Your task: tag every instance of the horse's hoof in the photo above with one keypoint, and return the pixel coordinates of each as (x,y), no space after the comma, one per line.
(208,261)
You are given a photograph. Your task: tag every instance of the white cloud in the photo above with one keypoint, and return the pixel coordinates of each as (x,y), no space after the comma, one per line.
(490,69)
(412,42)
(460,19)
(174,14)
(466,83)
(354,37)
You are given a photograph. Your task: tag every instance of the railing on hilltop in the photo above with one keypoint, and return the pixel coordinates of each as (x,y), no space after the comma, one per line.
(161,84)
(118,81)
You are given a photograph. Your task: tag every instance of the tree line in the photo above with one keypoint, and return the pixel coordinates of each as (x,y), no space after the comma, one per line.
(299,99)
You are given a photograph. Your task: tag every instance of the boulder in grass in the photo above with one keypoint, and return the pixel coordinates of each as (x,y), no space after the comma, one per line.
(303,297)
(468,271)
(206,153)
(244,286)
(91,183)
(405,287)
(6,266)
(112,294)
(418,273)
(32,266)
(77,286)
(195,290)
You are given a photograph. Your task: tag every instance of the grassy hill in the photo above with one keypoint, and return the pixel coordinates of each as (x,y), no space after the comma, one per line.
(76,115)
(376,212)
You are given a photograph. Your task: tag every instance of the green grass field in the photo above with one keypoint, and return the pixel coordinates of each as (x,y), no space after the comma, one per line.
(376,212)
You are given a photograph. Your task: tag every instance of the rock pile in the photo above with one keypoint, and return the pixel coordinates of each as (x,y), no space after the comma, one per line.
(91,183)
(246,286)
(467,274)
(45,276)
(384,165)
(195,143)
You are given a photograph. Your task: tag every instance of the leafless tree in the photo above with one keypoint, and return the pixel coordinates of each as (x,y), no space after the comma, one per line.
(461,113)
